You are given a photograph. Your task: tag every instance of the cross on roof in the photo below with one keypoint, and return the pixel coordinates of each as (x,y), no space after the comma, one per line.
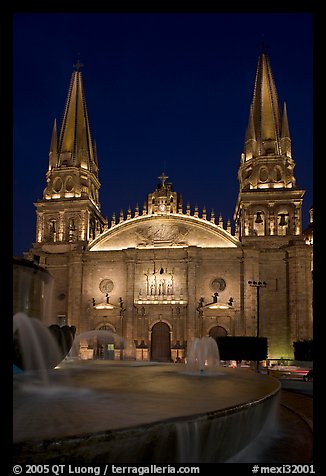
(78,65)
(163,178)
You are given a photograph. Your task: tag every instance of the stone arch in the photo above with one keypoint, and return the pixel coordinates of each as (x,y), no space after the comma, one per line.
(259,222)
(69,184)
(105,326)
(278,176)
(263,174)
(217,331)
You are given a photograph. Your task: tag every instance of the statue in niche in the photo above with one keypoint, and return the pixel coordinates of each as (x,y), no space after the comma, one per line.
(158,285)
(163,286)
(147,282)
(53,231)
(92,228)
(71,230)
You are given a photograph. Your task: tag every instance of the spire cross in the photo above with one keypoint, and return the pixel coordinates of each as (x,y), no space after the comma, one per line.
(163,178)
(78,65)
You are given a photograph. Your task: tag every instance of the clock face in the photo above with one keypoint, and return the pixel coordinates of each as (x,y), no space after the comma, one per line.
(161,207)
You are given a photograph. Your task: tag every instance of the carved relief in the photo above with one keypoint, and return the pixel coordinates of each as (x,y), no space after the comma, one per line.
(218,284)
(162,233)
(106,286)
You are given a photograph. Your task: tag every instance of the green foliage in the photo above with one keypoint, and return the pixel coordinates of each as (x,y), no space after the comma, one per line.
(303,349)
(242,347)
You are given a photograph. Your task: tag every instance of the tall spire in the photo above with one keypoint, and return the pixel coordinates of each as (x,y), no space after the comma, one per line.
(75,147)
(70,209)
(265,115)
(268,191)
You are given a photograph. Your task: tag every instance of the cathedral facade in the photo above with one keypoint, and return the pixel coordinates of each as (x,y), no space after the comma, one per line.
(162,275)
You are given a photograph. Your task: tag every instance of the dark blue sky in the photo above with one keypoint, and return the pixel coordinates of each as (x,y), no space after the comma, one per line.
(165,91)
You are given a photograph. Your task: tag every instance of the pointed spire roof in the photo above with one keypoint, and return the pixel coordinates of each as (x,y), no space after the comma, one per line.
(53,152)
(265,123)
(75,143)
(285,132)
(250,132)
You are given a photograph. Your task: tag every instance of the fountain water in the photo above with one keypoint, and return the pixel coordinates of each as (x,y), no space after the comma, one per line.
(202,355)
(32,290)
(88,344)
(37,347)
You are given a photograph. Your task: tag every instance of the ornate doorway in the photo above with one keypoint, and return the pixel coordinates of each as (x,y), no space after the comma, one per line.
(161,343)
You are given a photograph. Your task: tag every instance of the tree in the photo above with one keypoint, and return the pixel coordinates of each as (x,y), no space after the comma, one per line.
(303,349)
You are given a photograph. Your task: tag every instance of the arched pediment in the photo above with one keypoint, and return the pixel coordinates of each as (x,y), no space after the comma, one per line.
(163,231)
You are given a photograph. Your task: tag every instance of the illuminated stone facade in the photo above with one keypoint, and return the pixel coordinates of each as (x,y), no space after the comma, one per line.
(163,275)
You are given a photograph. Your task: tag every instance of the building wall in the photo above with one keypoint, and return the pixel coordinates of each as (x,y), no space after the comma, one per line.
(285,312)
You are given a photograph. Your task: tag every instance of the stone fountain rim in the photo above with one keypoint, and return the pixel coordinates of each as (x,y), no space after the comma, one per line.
(105,435)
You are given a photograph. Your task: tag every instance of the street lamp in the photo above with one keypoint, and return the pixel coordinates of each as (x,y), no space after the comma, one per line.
(257,285)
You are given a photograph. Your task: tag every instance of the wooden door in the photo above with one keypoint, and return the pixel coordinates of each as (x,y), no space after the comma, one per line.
(161,345)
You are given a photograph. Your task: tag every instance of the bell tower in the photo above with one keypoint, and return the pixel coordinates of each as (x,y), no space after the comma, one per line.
(269,203)
(163,200)
(70,209)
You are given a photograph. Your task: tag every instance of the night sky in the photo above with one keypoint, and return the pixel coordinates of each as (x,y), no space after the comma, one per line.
(165,92)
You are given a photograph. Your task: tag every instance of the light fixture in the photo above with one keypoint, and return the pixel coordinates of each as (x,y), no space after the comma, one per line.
(106,304)
(215,304)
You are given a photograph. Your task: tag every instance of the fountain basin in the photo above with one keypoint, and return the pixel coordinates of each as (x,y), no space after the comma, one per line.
(32,290)
(111,412)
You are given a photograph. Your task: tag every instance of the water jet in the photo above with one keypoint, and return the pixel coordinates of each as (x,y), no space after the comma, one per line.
(202,356)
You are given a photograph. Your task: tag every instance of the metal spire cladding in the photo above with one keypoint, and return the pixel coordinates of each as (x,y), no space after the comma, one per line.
(75,147)
(266,126)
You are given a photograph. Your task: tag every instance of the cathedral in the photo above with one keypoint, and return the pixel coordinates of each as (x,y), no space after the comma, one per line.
(159,276)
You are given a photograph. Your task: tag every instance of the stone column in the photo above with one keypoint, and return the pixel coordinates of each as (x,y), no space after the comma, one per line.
(129,315)
(193,324)
(299,291)
(40,227)
(250,271)
(76,316)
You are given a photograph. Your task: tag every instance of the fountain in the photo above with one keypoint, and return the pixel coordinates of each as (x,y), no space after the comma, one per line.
(107,411)
(37,347)
(203,356)
(70,407)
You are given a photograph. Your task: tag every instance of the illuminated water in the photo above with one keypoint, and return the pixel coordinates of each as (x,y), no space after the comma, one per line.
(100,411)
